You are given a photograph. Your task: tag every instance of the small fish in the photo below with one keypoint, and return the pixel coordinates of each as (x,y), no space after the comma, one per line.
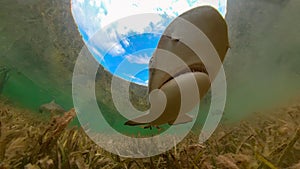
(52,108)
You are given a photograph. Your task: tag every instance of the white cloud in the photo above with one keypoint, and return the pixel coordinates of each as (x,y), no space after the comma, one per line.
(78,1)
(95,3)
(126,42)
(107,41)
(135,79)
(96,51)
(88,19)
(138,59)
(131,76)
(95,14)
(148,22)
(92,15)
(141,83)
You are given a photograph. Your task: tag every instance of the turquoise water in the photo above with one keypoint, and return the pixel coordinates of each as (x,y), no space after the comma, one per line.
(23,92)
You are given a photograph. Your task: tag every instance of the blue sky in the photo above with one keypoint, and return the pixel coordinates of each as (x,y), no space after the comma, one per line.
(124,48)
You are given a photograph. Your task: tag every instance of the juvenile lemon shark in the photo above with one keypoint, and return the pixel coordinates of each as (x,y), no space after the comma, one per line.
(175,68)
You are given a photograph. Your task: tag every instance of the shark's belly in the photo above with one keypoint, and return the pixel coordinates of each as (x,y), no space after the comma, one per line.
(181,95)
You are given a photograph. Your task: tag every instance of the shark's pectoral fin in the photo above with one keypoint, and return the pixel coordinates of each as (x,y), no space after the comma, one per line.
(133,123)
(181,119)
(141,120)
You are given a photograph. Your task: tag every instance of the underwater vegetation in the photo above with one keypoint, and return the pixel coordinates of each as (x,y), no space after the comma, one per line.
(32,142)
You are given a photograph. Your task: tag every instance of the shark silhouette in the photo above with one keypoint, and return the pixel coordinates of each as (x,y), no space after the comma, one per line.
(167,88)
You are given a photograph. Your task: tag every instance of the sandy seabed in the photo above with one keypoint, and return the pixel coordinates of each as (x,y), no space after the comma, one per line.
(28,140)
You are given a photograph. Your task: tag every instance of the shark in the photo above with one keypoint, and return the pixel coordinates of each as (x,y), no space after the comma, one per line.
(175,69)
